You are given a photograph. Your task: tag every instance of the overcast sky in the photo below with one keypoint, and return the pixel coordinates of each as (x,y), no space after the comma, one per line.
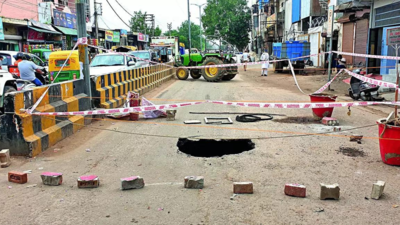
(165,11)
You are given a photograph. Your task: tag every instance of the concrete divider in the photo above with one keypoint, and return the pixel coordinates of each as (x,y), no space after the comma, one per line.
(29,135)
(109,91)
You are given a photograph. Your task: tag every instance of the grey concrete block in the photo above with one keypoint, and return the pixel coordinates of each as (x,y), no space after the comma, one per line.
(377,189)
(51,179)
(5,160)
(135,182)
(330,191)
(194,182)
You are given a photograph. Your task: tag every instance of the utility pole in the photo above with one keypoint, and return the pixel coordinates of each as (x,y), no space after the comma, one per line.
(169,26)
(96,14)
(83,50)
(330,16)
(190,38)
(201,31)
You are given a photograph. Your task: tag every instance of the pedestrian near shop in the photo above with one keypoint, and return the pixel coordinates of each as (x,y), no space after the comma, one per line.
(245,59)
(265,59)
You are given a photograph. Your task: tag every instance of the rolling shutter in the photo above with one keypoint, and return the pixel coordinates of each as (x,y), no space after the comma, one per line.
(361,40)
(347,41)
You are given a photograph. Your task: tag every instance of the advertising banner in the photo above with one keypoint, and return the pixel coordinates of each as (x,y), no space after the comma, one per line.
(141,37)
(35,36)
(124,33)
(109,35)
(163,41)
(62,19)
(1,29)
(44,12)
(116,36)
(147,38)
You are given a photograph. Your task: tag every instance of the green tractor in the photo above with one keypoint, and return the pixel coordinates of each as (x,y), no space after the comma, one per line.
(213,74)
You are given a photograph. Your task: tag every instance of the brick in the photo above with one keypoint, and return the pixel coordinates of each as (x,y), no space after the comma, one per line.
(194,182)
(5,160)
(243,187)
(330,191)
(171,115)
(17,177)
(134,182)
(377,189)
(356,137)
(51,179)
(91,181)
(330,121)
(296,190)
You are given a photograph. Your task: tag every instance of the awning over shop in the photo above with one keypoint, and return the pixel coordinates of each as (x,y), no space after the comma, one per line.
(44,31)
(352,6)
(67,31)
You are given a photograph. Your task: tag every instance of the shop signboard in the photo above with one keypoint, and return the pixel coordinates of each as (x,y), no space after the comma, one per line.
(44,12)
(63,19)
(116,36)
(35,36)
(393,36)
(162,41)
(141,37)
(109,35)
(1,29)
(124,33)
(330,21)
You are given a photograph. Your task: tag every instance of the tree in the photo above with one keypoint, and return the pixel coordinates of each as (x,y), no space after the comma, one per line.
(228,20)
(157,31)
(138,23)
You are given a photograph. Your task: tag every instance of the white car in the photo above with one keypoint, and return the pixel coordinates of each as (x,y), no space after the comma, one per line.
(7,84)
(111,63)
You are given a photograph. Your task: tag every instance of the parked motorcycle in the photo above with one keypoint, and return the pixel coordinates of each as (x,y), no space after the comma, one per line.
(360,89)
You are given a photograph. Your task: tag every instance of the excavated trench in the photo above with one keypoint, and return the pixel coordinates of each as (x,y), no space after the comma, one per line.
(214,147)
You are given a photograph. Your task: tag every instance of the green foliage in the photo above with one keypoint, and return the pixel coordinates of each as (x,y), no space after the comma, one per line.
(157,31)
(228,20)
(138,23)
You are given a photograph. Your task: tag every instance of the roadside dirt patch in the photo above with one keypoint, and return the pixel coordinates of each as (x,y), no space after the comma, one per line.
(352,152)
(297,119)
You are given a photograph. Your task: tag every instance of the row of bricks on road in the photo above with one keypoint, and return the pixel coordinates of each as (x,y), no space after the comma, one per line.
(192,182)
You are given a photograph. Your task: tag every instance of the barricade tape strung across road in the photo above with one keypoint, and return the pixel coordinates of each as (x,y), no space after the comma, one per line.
(119,110)
(294,77)
(329,83)
(242,104)
(367,56)
(303,105)
(372,81)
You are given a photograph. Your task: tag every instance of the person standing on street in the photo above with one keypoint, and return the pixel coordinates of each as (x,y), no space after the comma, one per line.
(27,70)
(245,59)
(265,65)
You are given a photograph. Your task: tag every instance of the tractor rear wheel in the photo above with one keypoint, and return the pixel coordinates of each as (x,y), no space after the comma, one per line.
(213,74)
(229,77)
(195,74)
(182,73)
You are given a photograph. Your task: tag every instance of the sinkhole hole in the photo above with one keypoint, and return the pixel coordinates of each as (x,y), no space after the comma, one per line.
(214,147)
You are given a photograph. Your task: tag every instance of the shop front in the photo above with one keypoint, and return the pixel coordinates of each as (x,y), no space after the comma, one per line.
(66,24)
(384,15)
(43,34)
(10,34)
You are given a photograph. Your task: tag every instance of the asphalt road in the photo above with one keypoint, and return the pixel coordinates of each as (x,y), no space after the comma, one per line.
(278,158)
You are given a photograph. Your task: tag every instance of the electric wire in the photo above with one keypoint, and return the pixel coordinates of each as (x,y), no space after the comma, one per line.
(117,14)
(123,8)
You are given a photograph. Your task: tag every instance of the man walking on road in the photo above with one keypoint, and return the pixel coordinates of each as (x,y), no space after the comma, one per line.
(245,58)
(265,65)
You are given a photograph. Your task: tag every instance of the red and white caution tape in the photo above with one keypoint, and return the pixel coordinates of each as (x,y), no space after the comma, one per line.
(327,84)
(242,104)
(372,81)
(118,110)
(368,56)
(303,105)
